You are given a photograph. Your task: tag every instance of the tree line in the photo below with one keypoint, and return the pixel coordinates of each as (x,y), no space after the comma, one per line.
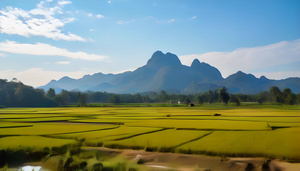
(16,94)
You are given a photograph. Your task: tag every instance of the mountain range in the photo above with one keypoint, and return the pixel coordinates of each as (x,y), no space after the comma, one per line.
(165,72)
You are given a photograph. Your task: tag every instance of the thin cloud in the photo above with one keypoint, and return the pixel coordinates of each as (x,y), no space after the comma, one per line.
(62,3)
(47,50)
(38,76)
(171,21)
(108,2)
(39,21)
(99,16)
(63,62)
(125,22)
(250,60)
(192,18)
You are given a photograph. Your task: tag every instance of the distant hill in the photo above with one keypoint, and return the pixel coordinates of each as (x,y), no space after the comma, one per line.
(165,72)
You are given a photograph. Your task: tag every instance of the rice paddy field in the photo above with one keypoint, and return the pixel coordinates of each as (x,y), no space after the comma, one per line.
(270,132)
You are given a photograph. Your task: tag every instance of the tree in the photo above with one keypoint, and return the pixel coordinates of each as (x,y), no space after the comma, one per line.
(224,96)
(210,96)
(276,94)
(187,101)
(163,96)
(236,99)
(114,99)
(259,100)
(50,93)
(146,99)
(289,97)
(138,98)
(200,99)
(81,98)
(62,98)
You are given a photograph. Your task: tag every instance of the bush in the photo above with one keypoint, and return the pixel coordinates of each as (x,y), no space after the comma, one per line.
(140,161)
(97,167)
(120,167)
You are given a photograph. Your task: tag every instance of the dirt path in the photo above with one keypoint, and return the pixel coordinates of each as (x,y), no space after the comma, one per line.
(183,162)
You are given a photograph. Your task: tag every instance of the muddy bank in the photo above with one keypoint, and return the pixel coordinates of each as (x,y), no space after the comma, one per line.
(184,162)
(100,158)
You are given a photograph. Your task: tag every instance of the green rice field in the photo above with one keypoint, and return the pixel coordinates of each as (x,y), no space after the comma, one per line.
(271,132)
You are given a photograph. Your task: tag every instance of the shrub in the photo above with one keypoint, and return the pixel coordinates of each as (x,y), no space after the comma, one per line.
(97,167)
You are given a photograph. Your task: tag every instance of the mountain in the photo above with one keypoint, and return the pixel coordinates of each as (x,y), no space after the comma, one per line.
(165,72)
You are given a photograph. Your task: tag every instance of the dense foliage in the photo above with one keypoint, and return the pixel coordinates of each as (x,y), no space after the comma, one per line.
(16,94)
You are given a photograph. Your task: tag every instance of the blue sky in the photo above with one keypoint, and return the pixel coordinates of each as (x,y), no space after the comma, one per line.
(45,40)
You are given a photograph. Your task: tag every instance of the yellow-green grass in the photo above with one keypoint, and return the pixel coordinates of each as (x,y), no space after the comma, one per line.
(228,112)
(43,119)
(160,140)
(203,124)
(249,128)
(274,125)
(121,130)
(282,119)
(283,143)
(115,120)
(52,129)
(258,112)
(34,143)
(41,115)
(12,125)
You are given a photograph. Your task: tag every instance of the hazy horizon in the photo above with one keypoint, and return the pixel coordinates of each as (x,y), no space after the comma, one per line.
(45,40)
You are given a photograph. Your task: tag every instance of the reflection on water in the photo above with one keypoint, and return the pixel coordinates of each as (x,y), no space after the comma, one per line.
(31,168)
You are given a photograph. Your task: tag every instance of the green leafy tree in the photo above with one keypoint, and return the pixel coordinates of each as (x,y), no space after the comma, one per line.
(138,98)
(224,96)
(163,96)
(114,99)
(50,93)
(210,96)
(289,97)
(146,99)
(259,100)
(81,98)
(298,98)
(62,98)
(237,100)
(187,101)
(276,94)
(200,99)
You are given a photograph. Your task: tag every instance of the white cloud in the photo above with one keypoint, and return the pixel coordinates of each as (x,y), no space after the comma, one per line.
(171,21)
(39,77)
(90,14)
(192,18)
(126,70)
(47,50)
(68,20)
(62,3)
(250,59)
(109,2)
(63,62)
(36,22)
(99,16)
(91,30)
(125,22)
